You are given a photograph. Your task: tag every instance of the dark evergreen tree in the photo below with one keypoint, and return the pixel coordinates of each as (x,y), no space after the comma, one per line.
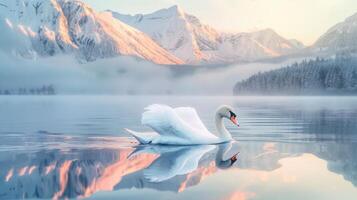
(338,75)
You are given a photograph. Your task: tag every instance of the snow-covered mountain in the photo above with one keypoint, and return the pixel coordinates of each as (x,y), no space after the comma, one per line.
(169,28)
(253,46)
(192,41)
(167,36)
(71,26)
(341,37)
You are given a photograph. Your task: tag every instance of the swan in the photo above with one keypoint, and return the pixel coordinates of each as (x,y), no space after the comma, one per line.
(182,126)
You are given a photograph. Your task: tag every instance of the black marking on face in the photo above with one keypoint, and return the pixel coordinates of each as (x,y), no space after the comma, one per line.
(233,114)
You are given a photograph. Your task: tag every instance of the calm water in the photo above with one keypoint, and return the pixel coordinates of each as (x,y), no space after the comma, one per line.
(75,147)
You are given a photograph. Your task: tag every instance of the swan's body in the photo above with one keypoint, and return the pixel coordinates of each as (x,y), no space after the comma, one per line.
(182,126)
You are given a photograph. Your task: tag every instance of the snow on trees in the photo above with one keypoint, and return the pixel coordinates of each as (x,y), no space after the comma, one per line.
(337,75)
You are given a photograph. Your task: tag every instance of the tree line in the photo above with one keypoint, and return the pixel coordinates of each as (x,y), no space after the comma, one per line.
(43,90)
(336,75)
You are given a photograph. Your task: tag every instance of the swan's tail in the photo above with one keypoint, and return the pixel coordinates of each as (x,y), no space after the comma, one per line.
(142,138)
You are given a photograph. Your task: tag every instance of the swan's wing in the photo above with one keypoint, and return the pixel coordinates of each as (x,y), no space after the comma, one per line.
(190,116)
(166,121)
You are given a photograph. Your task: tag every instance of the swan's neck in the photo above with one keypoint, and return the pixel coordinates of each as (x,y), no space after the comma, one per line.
(222,132)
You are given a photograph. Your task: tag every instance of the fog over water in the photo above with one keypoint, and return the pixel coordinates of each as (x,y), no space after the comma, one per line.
(21,67)
(122,75)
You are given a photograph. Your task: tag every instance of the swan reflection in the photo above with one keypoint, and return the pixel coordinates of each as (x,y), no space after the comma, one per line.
(181,160)
(80,173)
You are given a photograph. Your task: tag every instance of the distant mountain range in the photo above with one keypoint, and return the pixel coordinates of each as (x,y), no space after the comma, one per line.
(189,39)
(64,26)
(168,36)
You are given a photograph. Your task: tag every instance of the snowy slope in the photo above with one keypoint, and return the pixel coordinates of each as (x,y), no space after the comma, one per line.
(66,26)
(170,29)
(192,41)
(276,43)
(167,36)
(342,36)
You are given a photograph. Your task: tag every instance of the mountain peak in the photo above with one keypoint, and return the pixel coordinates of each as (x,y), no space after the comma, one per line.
(170,12)
(176,9)
(268,31)
(352,18)
(188,39)
(72,27)
(340,37)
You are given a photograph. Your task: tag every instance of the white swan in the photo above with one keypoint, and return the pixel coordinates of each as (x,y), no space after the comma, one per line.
(182,126)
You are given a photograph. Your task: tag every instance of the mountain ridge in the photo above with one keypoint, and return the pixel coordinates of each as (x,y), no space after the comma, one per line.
(168,36)
(340,37)
(204,43)
(71,26)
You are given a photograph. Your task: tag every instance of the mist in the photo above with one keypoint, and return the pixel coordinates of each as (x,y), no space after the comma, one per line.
(122,75)
(20,67)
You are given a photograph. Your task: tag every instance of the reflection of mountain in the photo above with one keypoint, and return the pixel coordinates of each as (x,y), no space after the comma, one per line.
(60,175)
(175,169)
(81,173)
(342,159)
(176,184)
(326,130)
(56,174)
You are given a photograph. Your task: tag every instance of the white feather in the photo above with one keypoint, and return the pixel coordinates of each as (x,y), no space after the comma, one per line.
(174,126)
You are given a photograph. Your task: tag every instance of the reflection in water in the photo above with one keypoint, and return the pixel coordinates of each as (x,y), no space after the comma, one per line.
(56,174)
(81,173)
(289,119)
(174,161)
(240,195)
(302,177)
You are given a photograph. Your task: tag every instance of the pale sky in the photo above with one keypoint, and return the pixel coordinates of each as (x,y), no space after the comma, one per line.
(304,20)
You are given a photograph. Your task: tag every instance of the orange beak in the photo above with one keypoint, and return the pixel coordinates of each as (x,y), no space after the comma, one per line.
(234,120)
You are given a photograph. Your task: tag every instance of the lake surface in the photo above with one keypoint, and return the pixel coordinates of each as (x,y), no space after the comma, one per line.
(59,147)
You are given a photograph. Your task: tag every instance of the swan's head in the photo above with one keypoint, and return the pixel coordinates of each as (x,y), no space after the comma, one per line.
(227,112)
